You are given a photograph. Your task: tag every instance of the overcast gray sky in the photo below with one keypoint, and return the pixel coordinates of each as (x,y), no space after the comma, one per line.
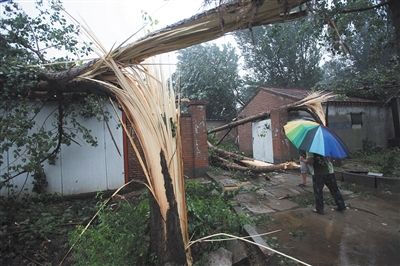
(114,20)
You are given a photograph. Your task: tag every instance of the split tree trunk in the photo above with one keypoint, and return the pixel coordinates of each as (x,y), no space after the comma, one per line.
(166,236)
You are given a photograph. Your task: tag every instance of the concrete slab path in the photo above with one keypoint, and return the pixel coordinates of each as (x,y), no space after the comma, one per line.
(368,233)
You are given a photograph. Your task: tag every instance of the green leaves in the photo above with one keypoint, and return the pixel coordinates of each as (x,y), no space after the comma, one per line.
(369,68)
(207,72)
(26,42)
(282,55)
(118,239)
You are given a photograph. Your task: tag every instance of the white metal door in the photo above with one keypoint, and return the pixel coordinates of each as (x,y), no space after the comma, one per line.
(262,141)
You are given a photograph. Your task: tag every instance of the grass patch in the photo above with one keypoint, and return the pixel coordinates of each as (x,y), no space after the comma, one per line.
(118,238)
(386,161)
(121,235)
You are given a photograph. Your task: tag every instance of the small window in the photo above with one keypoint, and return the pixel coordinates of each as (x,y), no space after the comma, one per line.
(356,120)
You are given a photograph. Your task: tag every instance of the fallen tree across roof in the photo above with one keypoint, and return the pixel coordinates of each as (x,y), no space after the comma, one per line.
(307,104)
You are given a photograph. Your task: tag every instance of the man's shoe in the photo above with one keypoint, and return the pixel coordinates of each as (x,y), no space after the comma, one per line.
(318,211)
(341,209)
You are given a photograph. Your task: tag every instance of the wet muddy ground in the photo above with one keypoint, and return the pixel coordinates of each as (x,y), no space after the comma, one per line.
(368,233)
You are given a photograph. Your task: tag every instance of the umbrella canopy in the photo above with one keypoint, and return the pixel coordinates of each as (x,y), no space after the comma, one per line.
(313,137)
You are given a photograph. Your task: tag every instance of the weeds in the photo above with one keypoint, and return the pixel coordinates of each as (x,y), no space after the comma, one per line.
(307,199)
(209,213)
(119,238)
(384,161)
(121,235)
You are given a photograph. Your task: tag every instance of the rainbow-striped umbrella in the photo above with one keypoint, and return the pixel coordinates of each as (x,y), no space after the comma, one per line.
(312,137)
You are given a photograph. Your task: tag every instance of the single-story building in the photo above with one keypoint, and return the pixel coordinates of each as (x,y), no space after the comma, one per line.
(359,122)
(82,168)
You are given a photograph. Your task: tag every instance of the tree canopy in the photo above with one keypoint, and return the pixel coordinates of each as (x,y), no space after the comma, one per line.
(350,47)
(210,73)
(362,43)
(281,55)
(27,46)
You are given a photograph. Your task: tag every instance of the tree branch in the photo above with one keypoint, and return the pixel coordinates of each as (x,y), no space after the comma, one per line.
(332,24)
(41,57)
(362,9)
(56,149)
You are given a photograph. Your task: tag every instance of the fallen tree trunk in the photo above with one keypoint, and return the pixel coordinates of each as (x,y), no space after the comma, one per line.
(239,162)
(275,167)
(239,122)
(228,154)
(230,165)
(254,169)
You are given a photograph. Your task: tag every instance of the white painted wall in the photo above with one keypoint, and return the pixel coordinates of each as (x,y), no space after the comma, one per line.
(79,168)
(262,141)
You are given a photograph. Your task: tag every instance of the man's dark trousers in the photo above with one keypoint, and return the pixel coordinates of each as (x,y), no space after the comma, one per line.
(330,181)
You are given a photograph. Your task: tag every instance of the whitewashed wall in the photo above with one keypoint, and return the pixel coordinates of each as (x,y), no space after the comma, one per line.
(79,168)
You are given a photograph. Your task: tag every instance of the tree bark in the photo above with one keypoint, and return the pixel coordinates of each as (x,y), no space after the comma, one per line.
(275,167)
(239,162)
(394,10)
(228,154)
(166,236)
(230,165)
(254,169)
(240,122)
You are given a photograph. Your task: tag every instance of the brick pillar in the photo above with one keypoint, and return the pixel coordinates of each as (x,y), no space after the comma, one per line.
(197,111)
(187,144)
(283,150)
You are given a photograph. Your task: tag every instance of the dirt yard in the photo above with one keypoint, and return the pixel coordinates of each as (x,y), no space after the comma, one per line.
(35,232)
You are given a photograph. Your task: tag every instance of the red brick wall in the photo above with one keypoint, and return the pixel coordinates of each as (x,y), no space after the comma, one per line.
(264,101)
(194,145)
(197,111)
(283,149)
(187,145)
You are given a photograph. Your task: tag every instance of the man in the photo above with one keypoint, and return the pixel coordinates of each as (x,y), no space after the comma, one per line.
(323,174)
